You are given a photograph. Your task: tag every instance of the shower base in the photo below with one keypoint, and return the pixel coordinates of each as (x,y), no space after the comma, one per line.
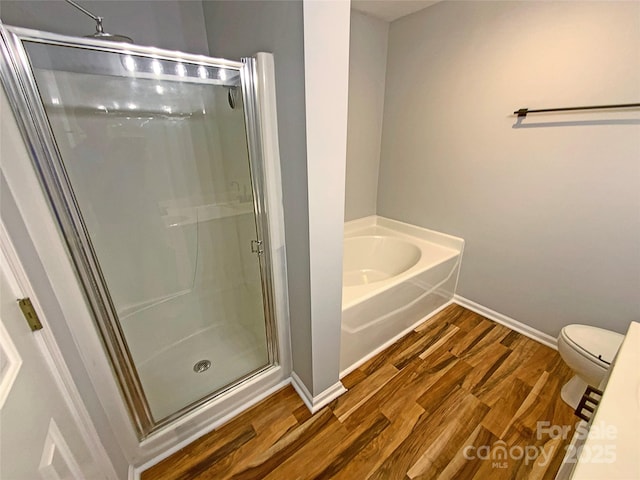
(169,377)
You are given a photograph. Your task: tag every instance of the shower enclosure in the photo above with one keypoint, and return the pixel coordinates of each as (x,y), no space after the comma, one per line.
(151,161)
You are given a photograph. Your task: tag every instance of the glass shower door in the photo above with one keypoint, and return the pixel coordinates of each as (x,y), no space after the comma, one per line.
(154,164)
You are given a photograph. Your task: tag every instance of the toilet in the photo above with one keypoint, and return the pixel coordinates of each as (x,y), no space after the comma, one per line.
(588,351)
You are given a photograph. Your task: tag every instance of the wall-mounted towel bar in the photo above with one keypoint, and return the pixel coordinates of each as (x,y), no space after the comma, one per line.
(523,111)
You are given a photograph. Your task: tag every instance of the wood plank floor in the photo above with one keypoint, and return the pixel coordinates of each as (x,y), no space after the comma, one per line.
(457,398)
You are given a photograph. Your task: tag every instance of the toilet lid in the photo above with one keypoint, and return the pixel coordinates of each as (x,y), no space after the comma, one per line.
(599,343)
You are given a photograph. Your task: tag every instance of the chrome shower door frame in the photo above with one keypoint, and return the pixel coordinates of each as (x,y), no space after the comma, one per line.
(19,83)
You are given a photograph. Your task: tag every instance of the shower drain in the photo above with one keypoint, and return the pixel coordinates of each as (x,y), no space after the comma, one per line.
(201,366)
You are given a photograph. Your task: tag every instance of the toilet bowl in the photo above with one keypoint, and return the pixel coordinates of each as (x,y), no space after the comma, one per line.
(588,351)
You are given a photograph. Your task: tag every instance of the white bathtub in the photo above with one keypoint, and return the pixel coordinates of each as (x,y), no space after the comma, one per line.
(394,276)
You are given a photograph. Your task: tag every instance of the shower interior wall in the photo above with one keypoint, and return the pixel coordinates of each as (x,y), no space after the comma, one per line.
(175,269)
(193,168)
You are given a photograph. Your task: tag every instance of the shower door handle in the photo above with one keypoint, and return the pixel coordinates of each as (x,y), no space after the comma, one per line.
(256,247)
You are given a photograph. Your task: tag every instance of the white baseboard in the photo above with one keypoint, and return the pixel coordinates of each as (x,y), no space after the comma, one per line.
(509,322)
(316,403)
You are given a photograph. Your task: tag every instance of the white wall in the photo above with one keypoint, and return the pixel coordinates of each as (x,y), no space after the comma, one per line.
(326,68)
(367,70)
(171,24)
(550,212)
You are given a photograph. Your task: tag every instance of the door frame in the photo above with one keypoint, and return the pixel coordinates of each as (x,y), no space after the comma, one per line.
(52,250)
(52,356)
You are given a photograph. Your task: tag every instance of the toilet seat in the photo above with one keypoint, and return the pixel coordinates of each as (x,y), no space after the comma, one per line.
(595,344)
(589,352)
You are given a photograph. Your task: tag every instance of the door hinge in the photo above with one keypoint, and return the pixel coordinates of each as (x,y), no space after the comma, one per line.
(30,314)
(256,247)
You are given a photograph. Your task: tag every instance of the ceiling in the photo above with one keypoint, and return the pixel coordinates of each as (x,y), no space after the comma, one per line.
(390,10)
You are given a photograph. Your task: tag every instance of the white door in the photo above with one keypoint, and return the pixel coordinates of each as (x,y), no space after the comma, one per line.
(40,437)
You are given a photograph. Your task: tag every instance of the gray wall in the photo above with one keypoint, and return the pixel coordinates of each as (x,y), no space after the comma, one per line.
(171,24)
(367,70)
(242,28)
(550,212)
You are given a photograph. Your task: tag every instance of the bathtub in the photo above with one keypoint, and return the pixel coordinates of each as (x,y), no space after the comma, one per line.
(395,275)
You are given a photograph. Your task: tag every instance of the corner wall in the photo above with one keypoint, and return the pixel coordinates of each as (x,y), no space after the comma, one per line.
(550,212)
(367,71)
(326,67)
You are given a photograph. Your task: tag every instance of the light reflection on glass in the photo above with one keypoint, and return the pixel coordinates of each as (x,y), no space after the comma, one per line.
(181,70)
(156,67)
(129,63)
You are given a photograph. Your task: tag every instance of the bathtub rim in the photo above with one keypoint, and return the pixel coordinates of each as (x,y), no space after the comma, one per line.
(424,237)
(450,241)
